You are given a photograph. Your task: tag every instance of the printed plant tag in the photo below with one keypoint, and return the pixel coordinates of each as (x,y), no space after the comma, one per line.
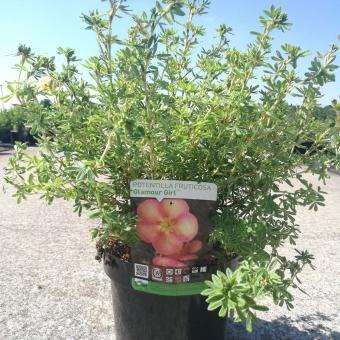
(173,224)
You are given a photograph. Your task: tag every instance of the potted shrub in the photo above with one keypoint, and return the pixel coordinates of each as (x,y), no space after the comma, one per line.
(160,108)
(13,125)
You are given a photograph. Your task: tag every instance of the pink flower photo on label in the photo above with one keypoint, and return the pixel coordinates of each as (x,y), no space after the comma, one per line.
(170,228)
(177,260)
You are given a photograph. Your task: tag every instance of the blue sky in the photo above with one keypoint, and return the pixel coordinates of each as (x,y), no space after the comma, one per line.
(46,24)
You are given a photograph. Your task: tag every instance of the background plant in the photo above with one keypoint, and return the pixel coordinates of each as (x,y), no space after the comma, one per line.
(157,108)
(13,118)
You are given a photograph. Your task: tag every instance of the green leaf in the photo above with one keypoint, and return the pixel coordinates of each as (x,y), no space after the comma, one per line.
(249,324)
(222,312)
(214,305)
(95,214)
(94,233)
(260,308)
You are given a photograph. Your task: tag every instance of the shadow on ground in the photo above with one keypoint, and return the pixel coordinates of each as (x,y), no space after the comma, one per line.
(285,328)
(5,152)
(5,149)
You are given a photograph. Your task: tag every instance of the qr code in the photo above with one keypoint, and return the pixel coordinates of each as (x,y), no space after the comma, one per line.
(141,270)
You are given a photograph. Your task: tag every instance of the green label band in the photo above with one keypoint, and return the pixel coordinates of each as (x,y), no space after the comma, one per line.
(159,288)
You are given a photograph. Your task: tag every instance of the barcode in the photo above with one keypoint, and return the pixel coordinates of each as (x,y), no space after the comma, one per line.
(141,270)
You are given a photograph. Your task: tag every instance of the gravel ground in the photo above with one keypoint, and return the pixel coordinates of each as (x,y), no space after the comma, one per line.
(51,287)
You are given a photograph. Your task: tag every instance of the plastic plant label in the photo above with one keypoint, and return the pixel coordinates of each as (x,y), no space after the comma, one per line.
(173,223)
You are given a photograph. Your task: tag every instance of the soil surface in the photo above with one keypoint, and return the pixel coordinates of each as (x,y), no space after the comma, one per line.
(52,288)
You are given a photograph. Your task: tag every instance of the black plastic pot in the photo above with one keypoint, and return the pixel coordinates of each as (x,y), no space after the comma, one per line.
(143,316)
(5,135)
